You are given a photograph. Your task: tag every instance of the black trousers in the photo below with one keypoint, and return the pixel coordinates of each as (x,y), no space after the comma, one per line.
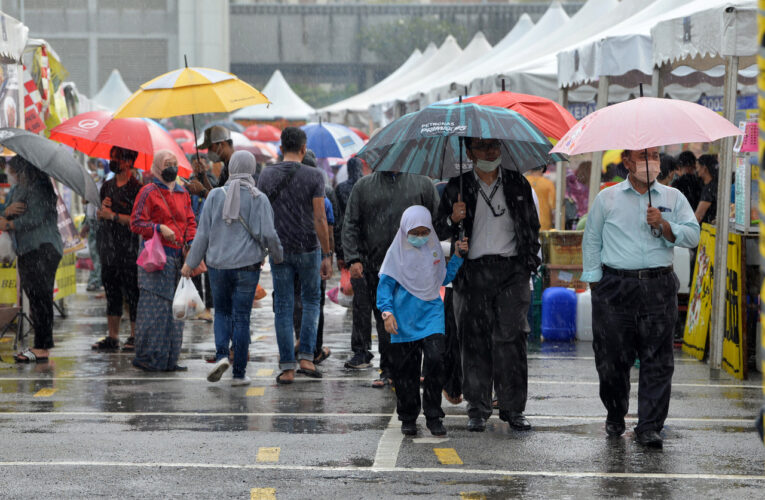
(407,361)
(37,272)
(491,301)
(452,355)
(364,306)
(202,284)
(120,284)
(297,314)
(635,318)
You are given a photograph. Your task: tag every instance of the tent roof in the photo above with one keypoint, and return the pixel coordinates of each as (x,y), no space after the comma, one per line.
(711,33)
(113,93)
(286,104)
(14,39)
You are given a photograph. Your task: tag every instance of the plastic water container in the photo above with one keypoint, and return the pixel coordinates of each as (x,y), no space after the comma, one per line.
(584,316)
(558,314)
(681,262)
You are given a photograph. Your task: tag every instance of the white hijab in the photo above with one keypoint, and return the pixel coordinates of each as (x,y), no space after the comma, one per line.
(421,271)
(241,167)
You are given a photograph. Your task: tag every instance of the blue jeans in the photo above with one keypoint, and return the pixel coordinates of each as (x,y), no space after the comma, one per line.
(233,291)
(306,266)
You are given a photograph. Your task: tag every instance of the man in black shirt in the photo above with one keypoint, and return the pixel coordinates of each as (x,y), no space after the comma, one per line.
(688,182)
(118,247)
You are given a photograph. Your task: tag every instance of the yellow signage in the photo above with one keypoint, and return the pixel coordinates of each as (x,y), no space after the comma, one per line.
(700,302)
(66,282)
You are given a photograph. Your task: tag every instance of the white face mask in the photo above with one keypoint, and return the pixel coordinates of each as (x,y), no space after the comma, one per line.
(486,165)
(654,167)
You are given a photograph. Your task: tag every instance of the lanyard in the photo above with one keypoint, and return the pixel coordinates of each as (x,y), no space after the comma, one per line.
(489,198)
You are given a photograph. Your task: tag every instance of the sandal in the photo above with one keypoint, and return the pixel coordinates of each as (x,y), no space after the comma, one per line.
(106,344)
(281,381)
(324,354)
(381,382)
(27,356)
(309,373)
(129,345)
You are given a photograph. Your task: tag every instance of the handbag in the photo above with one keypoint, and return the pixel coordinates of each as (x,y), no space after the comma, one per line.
(202,267)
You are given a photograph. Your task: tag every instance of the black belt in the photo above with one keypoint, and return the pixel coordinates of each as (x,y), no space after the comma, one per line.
(641,274)
(492,259)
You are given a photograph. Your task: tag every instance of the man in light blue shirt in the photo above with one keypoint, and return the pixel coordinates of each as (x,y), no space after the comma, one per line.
(628,252)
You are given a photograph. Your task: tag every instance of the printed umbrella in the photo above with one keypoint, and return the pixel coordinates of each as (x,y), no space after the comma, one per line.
(330,140)
(52,158)
(95,132)
(550,117)
(364,136)
(429,141)
(264,133)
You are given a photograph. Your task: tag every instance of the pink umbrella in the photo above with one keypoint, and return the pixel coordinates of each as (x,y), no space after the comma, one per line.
(642,123)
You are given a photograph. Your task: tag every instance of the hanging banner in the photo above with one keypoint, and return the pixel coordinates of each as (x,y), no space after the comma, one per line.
(700,302)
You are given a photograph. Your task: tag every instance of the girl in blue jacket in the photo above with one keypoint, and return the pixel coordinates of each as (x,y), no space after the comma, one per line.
(411,276)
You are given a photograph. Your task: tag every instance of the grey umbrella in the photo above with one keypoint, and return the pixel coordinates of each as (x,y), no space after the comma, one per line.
(52,158)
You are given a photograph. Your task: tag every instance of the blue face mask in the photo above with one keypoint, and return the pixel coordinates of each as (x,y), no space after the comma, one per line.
(417,241)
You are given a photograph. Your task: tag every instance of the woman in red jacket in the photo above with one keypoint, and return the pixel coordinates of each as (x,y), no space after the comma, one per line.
(164,206)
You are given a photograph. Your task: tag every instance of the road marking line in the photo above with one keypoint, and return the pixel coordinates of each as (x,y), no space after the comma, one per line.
(389,445)
(268,454)
(581,418)
(430,440)
(264,372)
(448,456)
(44,393)
(263,494)
(5,339)
(256,391)
(406,470)
(472,495)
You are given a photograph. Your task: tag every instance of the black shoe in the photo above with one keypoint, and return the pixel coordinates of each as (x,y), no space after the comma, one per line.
(649,439)
(476,424)
(106,344)
(409,428)
(359,361)
(436,426)
(615,429)
(516,420)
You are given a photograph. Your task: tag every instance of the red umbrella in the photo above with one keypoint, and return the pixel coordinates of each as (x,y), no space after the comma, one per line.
(264,133)
(360,133)
(550,117)
(94,133)
(181,135)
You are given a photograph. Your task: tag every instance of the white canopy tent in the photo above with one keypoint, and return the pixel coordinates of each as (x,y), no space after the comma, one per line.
(286,104)
(354,110)
(726,32)
(113,93)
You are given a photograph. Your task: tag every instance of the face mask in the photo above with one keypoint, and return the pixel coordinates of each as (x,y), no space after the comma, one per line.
(100,173)
(417,241)
(114,166)
(169,174)
(213,156)
(654,167)
(488,166)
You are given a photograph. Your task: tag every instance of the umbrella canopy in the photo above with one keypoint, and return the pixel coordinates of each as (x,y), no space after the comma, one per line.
(232,126)
(94,133)
(427,142)
(550,117)
(187,91)
(330,140)
(364,137)
(265,133)
(181,135)
(642,123)
(52,158)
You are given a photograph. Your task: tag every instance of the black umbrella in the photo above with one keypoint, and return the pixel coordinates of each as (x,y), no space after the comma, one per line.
(53,159)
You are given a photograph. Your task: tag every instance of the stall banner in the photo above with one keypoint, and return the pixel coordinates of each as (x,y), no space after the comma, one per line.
(66,280)
(69,235)
(733,349)
(700,304)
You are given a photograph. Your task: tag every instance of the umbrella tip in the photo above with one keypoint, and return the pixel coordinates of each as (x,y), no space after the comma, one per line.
(503,85)
(641,90)
(185,60)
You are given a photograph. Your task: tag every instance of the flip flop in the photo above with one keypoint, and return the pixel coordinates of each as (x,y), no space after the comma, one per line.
(310,373)
(381,382)
(281,381)
(28,356)
(325,353)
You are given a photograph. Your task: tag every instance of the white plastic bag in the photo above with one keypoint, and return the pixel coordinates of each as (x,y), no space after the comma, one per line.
(7,254)
(187,303)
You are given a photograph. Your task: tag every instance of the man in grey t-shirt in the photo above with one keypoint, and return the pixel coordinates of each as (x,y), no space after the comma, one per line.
(296,193)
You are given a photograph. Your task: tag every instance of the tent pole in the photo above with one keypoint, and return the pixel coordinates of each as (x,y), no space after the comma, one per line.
(719,280)
(657,80)
(597,157)
(560,177)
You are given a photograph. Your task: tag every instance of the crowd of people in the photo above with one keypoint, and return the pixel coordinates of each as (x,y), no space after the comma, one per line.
(401,238)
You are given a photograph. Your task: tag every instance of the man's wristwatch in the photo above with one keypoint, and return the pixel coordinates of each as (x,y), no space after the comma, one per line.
(387,314)
(326,255)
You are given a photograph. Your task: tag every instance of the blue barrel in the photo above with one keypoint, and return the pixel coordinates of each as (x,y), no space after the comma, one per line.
(559,314)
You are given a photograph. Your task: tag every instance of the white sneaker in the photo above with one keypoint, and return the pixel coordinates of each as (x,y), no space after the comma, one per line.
(218,370)
(236,382)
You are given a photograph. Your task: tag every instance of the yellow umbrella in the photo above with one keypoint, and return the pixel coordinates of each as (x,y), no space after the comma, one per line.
(612,156)
(189,91)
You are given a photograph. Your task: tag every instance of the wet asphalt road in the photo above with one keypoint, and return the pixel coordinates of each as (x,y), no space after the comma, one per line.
(89,425)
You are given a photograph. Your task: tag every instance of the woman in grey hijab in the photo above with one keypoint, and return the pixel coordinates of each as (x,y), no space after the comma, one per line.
(236,231)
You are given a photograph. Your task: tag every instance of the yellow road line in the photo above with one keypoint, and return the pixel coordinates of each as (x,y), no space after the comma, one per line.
(472,495)
(263,494)
(268,455)
(256,391)
(264,372)
(44,393)
(447,456)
